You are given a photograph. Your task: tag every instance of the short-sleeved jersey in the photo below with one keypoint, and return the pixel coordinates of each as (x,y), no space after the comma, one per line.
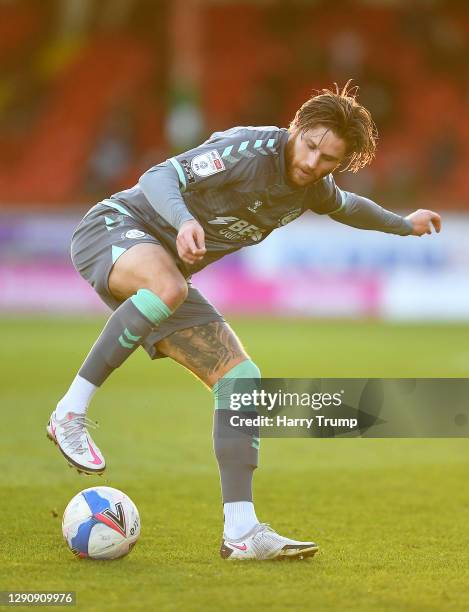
(235,185)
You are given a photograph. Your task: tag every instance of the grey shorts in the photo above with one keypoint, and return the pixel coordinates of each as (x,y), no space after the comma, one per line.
(97,242)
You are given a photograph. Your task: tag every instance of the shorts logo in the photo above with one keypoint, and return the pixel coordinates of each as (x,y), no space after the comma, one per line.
(134,234)
(207,163)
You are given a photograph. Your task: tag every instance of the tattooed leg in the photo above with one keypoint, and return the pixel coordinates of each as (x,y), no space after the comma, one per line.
(214,354)
(209,351)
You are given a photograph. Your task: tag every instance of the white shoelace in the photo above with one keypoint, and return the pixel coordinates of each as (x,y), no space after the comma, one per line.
(262,528)
(266,540)
(74,430)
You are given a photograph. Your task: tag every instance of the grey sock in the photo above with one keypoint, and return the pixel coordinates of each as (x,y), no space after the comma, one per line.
(125,330)
(236,448)
(237,453)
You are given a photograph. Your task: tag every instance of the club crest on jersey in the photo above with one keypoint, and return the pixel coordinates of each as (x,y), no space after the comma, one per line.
(207,163)
(289,217)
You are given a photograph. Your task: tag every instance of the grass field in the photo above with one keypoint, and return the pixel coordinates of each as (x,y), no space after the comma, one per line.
(390,516)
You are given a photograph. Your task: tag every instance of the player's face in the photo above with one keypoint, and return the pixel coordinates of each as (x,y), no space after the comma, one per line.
(313,154)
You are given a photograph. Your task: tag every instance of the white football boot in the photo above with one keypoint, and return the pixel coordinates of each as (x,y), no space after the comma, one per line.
(263,543)
(72,437)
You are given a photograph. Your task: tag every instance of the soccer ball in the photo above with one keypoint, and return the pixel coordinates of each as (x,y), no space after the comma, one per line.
(101,523)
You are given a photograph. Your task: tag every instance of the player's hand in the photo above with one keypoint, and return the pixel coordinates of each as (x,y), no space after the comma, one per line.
(423,220)
(190,242)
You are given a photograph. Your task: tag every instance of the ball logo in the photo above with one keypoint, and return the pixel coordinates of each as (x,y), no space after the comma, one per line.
(134,234)
(114,520)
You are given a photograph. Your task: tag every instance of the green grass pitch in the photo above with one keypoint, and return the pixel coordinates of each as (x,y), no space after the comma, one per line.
(390,516)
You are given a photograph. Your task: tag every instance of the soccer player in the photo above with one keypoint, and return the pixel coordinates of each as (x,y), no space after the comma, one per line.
(139,248)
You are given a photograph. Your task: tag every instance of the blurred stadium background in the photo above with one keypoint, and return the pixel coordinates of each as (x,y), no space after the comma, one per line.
(94,93)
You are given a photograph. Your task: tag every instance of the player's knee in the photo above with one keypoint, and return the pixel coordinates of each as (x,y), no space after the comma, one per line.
(149,267)
(241,367)
(170,288)
(173,293)
(225,386)
(237,357)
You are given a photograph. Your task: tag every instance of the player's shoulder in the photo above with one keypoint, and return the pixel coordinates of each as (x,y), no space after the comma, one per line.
(324,195)
(266,136)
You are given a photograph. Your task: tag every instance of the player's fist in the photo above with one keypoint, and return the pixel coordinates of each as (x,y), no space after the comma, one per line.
(190,242)
(423,220)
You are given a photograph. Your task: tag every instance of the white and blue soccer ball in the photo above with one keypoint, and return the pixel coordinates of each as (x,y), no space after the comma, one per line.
(101,523)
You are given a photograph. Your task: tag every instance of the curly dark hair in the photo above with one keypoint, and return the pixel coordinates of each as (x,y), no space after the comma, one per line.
(339,111)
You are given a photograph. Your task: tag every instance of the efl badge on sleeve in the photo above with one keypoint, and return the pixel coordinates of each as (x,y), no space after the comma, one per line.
(207,163)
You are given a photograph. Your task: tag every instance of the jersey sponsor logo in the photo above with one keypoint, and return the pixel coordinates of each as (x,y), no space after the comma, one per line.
(188,171)
(239,229)
(134,234)
(207,163)
(289,217)
(222,220)
(255,206)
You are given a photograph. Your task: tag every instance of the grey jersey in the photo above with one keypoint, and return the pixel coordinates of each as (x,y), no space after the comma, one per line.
(236,187)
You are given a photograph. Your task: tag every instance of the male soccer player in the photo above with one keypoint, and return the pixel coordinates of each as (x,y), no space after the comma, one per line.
(139,248)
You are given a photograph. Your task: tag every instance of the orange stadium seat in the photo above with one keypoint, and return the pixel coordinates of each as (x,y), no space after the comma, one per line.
(107,70)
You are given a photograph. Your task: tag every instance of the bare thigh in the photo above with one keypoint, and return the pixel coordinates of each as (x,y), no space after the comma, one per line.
(209,351)
(148,266)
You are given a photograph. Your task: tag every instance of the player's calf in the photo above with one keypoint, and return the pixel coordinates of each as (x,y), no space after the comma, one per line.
(123,333)
(141,311)
(214,353)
